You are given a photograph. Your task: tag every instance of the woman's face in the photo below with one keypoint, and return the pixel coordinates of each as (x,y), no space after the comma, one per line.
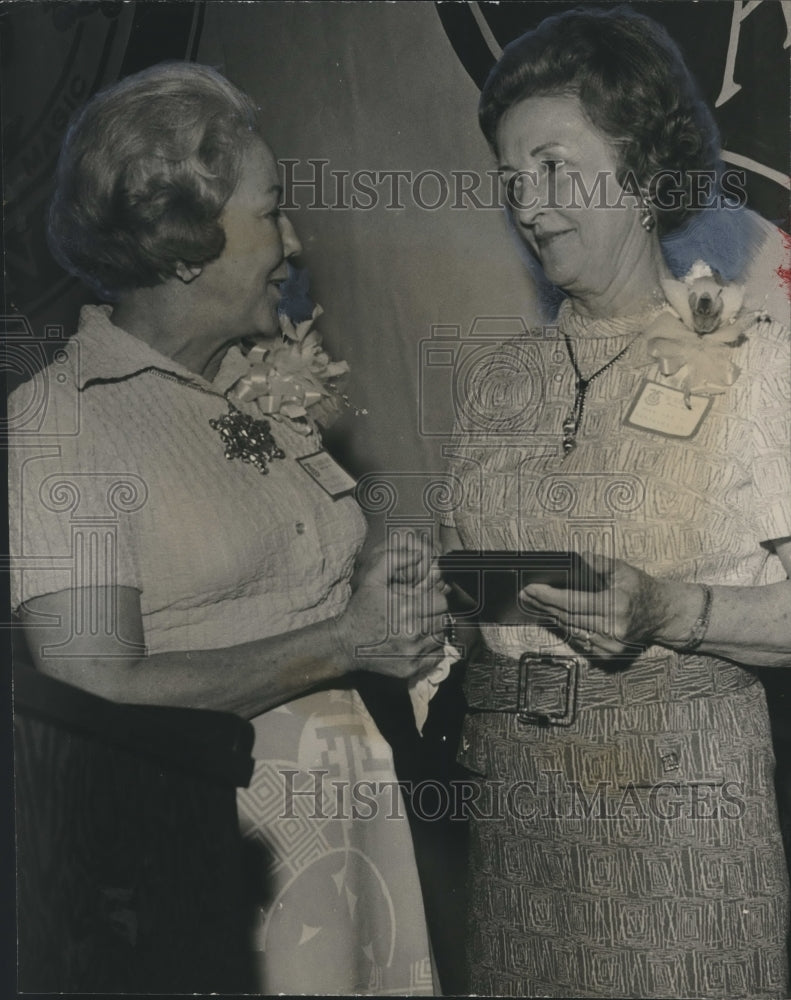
(562,176)
(240,289)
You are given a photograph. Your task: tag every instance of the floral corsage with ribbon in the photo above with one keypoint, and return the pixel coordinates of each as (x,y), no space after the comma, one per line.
(694,337)
(290,379)
(294,379)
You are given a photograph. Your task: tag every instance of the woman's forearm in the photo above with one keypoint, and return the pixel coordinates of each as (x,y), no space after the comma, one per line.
(248,678)
(749,625)
(109,657)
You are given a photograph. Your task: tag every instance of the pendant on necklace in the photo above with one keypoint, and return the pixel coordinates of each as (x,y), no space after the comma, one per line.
(569,427)
(573,421)
(247,438)
(571,424)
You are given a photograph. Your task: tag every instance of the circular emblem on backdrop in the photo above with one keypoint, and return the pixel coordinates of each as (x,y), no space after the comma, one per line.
(737,53)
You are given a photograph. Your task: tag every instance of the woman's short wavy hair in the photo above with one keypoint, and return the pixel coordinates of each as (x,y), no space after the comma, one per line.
(633,85)
(144,174)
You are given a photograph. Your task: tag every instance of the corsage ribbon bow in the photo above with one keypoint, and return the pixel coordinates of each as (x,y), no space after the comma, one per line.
(699,330)
(289,377)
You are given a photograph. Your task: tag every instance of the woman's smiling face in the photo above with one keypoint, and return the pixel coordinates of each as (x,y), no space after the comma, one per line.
(242,286)
(561,174)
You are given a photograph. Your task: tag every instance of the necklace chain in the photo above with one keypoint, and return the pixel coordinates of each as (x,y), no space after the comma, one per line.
(245,437)
(573,421)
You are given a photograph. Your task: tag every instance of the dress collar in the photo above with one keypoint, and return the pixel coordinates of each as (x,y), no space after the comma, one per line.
(110,354)
(576,325)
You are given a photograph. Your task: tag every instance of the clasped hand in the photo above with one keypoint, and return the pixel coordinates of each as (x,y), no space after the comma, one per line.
(618,620)
(394,621)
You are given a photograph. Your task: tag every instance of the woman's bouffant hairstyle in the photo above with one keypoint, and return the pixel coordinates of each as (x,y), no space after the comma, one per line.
(633,86)
(144,173)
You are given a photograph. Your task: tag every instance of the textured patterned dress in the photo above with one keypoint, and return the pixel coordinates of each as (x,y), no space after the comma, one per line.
(635,852)
(113,441)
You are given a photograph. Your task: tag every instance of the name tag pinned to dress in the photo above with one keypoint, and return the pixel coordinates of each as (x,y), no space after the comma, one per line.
(664,410)
(324,470)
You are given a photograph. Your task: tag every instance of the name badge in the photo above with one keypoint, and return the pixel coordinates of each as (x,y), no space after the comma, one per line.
(324,470)
(663,410)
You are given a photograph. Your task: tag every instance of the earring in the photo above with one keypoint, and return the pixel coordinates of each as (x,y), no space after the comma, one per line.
(187,272)
(647,220)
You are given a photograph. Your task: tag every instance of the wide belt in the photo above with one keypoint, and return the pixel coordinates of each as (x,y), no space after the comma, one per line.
(550,690)
(537,688)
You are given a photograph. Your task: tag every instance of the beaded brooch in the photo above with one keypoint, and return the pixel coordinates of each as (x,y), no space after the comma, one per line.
(247,438)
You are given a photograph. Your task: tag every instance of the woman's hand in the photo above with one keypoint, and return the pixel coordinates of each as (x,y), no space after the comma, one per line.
(393,624)
(746,625)
(619,620)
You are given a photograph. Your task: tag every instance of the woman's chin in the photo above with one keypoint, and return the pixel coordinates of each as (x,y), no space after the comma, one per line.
(559,277)
(268,324)
(561,267)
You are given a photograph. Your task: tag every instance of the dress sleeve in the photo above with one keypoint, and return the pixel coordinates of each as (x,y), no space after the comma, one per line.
(771,433)
(72,521)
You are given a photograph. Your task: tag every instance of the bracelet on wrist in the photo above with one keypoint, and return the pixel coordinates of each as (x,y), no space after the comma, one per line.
(701,625)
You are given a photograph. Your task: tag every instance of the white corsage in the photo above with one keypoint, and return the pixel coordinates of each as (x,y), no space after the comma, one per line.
(295,378)
(698,330)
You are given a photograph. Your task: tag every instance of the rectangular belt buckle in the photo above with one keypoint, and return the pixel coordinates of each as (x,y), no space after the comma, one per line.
(547,691)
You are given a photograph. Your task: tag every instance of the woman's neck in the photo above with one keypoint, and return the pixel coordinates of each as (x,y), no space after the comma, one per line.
(635,285)
(157,317)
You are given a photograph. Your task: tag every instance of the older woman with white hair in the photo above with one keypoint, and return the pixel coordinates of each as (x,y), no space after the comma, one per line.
(225,578)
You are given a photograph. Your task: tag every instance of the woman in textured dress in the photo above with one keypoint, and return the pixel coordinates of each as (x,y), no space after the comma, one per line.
(625,840)
(216,586)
